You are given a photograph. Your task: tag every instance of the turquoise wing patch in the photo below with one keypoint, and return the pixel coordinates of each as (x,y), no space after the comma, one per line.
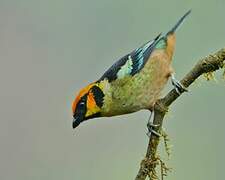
(126,69)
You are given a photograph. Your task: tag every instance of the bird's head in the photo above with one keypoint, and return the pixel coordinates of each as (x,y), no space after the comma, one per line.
(88,103)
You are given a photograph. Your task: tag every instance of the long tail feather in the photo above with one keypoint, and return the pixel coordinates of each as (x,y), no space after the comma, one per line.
(178,23)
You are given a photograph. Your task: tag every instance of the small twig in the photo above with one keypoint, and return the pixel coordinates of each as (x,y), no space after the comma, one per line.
(162,171)
(208,64)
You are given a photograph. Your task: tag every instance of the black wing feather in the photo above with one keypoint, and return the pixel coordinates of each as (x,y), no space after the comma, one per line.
(111,73)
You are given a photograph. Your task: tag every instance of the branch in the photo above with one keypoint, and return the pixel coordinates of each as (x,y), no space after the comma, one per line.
(208,64)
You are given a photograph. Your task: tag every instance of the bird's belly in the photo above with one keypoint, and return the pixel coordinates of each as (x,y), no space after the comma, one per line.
(140,91)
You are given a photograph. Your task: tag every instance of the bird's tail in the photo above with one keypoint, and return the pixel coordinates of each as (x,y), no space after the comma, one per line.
(178,23)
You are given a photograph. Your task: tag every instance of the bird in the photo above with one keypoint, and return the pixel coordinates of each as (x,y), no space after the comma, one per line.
(132,83)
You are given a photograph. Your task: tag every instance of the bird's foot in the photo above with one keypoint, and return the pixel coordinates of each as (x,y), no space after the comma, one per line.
(151,130)
(177,85)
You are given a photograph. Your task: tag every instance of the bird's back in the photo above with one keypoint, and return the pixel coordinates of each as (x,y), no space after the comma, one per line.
(133,93)
(136,80)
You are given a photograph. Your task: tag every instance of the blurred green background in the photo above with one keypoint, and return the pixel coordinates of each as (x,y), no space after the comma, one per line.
(49,49)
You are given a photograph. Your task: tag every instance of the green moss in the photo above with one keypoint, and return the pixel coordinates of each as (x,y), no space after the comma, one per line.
(209,76)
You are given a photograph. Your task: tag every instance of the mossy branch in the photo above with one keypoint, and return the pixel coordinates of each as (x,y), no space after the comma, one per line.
(206,65)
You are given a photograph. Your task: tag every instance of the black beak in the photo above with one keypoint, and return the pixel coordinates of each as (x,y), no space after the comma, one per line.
(76,122)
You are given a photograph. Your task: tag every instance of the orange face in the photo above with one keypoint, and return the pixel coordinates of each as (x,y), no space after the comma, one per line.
(81,94)
(87,104)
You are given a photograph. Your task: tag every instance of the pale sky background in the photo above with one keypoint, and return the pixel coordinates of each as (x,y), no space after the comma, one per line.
(49,49)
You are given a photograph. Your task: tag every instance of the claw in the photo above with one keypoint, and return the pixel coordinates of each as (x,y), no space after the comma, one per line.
(151,130)
(177,85)
(150,124)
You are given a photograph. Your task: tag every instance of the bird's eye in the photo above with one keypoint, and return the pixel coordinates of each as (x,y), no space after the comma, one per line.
(82,104)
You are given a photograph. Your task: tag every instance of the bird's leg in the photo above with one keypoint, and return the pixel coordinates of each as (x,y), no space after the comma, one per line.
(177,85)
(151,126)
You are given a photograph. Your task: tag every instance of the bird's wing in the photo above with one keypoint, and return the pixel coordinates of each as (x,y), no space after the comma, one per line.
(131,63)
